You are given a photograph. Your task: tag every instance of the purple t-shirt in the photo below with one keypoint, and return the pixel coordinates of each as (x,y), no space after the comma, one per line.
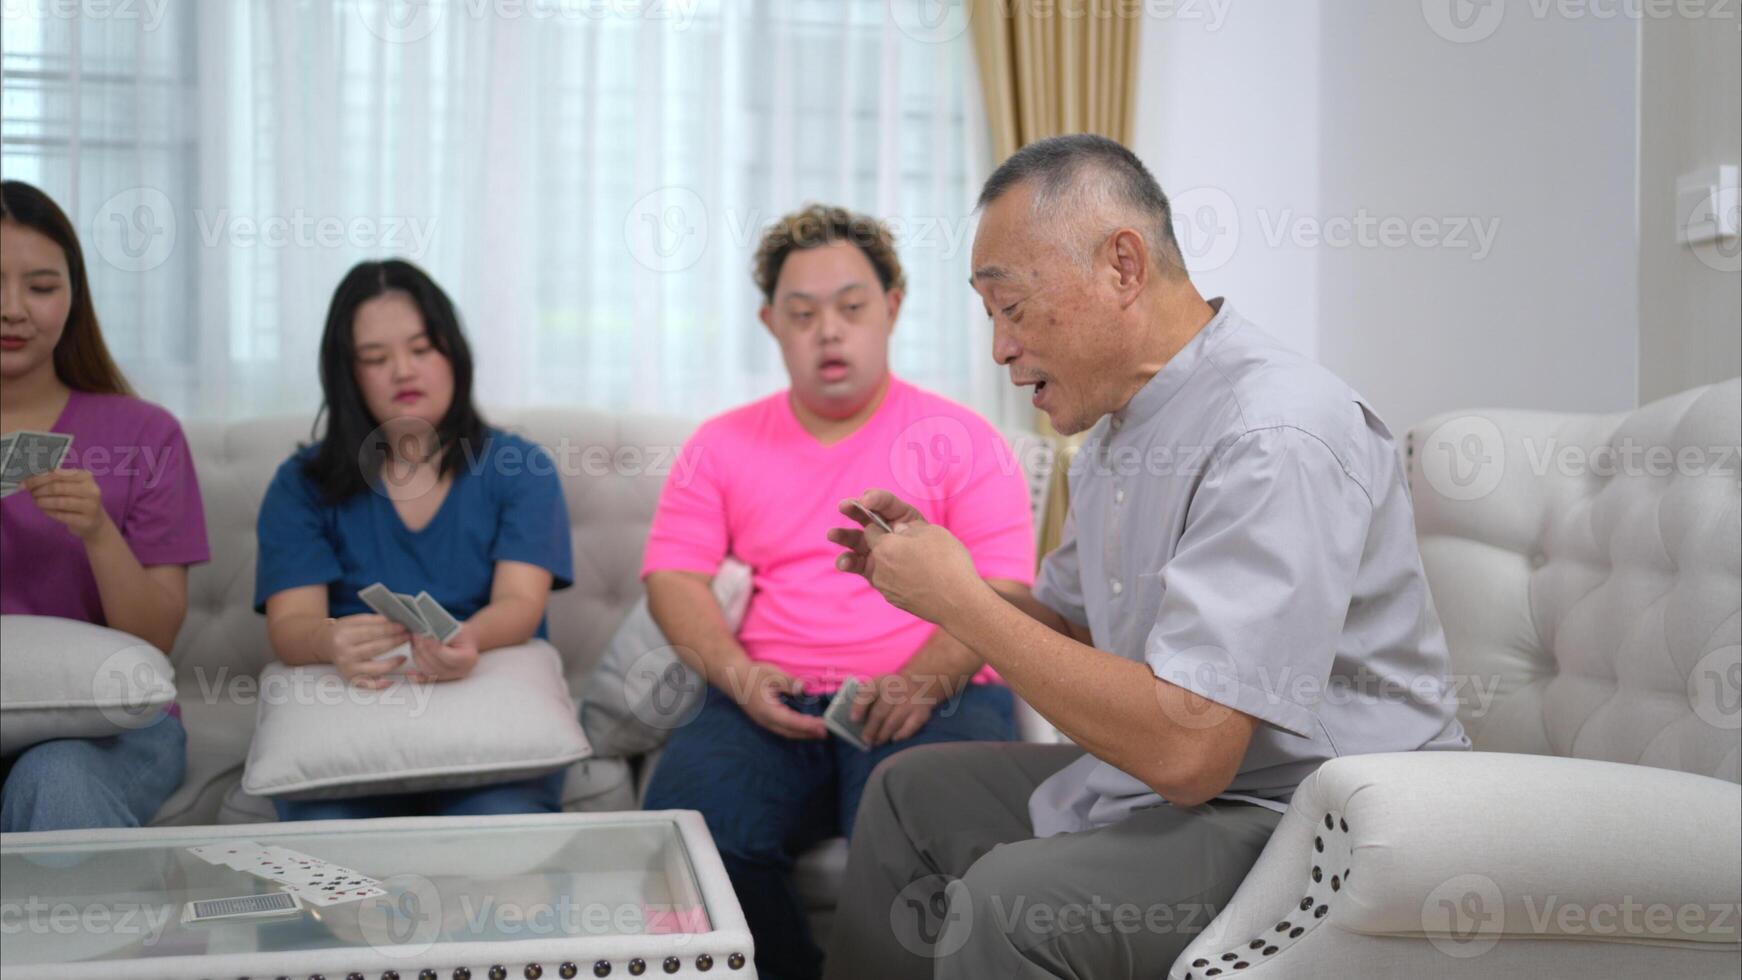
(140,459)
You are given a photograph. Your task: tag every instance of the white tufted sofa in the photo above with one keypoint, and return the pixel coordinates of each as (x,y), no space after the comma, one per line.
(1588,570)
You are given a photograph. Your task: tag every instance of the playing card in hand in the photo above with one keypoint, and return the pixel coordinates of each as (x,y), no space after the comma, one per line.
(25,453)
(838,716)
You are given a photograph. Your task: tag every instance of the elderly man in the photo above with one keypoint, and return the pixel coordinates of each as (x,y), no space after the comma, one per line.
(1238,597)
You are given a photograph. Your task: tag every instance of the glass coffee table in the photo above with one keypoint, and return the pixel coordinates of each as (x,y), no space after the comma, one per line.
(462,898)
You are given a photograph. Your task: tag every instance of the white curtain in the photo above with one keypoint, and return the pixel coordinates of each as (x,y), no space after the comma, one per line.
(587,178)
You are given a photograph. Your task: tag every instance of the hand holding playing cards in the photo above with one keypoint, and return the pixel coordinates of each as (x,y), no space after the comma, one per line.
(919,567)
(893,707)
(71,497)
(353,644)
(433,660)
(757,689)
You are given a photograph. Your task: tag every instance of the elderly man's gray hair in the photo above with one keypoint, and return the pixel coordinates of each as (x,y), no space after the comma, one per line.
(1087,186)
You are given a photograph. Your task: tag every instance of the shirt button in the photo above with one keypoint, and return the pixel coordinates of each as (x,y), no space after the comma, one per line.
(1119,496)
(1117,586)
(1118,423)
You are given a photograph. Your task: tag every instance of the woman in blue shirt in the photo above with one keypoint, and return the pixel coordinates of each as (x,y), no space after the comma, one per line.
(410,488)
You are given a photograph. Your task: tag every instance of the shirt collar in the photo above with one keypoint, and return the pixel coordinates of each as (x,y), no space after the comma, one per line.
(1161,388)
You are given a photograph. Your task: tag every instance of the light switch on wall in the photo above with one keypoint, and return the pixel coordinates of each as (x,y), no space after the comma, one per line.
(1708,204)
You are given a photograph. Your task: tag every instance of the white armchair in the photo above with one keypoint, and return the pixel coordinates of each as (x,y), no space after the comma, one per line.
(1588,570)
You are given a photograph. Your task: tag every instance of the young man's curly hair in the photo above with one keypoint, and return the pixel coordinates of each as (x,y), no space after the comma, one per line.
(816,225)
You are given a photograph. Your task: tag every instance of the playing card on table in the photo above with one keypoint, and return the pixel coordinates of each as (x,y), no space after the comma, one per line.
(28,454)
(443,625)
(838,716)
(231,854)
(383,600)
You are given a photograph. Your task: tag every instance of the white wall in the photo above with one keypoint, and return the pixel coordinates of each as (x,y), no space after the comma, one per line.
(1228,121)
(1690,300)
(1321,119)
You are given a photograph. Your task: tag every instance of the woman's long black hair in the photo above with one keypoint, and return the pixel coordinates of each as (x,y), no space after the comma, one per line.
(343,465)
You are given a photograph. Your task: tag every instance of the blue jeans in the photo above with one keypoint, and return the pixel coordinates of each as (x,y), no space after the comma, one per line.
(767,799)
(82,783)
(541,794)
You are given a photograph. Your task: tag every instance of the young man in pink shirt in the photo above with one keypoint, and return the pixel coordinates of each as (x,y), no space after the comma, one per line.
(757,760)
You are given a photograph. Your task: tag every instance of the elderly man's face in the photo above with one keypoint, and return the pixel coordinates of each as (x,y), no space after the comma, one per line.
(1053,324)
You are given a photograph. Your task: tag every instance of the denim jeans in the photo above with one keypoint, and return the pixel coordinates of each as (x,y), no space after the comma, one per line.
(541,794)
(767,799)
(82,783)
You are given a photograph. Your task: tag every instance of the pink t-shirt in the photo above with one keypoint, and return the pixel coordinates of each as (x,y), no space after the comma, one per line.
(754,484)
(139,458)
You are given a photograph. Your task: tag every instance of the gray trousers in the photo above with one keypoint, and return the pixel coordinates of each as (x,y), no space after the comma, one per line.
(947,880)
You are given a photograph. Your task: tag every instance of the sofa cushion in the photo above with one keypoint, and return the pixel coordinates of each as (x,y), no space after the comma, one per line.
(1586,570)
(62,678)
(319,737)
(642,690)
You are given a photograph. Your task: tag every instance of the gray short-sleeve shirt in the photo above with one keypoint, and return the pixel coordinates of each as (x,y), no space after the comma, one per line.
(1244,526)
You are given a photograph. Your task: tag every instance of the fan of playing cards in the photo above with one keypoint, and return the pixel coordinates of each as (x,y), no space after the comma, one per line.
(24,454)
(420,614)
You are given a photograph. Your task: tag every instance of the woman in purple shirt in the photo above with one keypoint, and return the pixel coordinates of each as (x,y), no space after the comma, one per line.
(107,538)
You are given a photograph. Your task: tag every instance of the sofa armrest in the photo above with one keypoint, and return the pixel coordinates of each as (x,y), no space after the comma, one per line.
(1446,845)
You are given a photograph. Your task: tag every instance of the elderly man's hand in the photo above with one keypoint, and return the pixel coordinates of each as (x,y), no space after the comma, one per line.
(919,567)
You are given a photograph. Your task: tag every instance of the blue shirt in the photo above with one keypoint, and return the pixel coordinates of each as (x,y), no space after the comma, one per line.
(505,504)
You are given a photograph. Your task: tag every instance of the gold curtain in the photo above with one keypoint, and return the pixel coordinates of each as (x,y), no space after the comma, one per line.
(1050,67)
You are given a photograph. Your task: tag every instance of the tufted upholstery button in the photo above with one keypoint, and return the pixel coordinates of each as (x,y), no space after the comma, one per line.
(1282,926)
(462,973)
(1230,957)
(1319,912)
(1343,824)
(1318,875)
(1328,824)
(1255,944)
(637,966)
(1318,843)
(704,962)
(532,971)
(1296,931)
(568,971)
(1336,883)
(673,964)
(1200,962)
(1306,903)
(735,961)
(602,968)
(498,972)
(1268,950)
(426,975)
